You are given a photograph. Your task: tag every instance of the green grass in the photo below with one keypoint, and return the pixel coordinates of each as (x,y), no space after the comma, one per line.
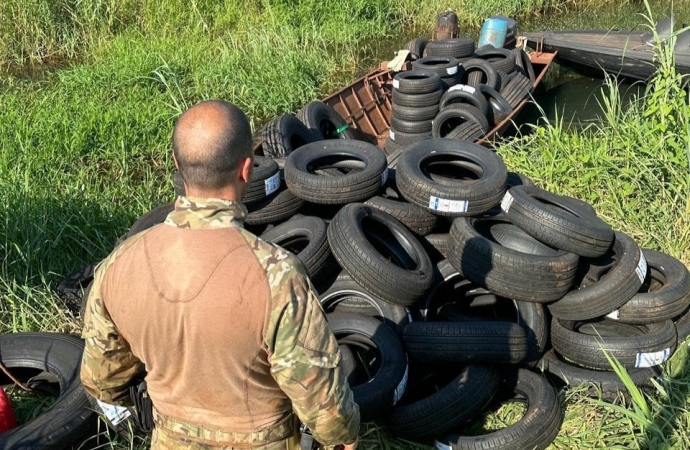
(89,90)
(28,405)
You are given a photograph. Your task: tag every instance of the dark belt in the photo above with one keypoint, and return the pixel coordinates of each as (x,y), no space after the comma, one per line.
(282,430)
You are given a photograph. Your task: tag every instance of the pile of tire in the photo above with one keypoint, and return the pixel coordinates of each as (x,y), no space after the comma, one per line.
(456,286)
(456,92)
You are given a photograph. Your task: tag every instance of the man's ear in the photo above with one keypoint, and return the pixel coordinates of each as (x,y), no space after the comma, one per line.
(245,171)
(177,166)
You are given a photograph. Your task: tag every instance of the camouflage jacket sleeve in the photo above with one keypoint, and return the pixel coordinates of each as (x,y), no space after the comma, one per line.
(304,355)
(108,365)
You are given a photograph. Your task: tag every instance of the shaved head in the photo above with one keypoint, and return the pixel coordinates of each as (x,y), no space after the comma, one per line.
(210,141)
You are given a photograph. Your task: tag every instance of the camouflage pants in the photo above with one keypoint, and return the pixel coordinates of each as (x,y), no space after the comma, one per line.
(166,440)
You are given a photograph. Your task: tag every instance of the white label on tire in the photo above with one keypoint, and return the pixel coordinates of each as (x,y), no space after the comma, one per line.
(396,84)
(441,446)
(462,87)
(614,315)
(392,135)
(445,205)
(652,359)
(641,268)
(115,414)
(452,70)
(506,202)
(400,390)
(272,184)
(384,176)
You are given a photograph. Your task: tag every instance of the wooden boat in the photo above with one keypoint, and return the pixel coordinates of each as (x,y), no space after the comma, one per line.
(366,103)
(622,53)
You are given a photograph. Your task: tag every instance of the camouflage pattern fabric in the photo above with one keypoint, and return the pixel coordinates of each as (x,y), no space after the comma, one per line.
(202,437)
(163,439)
(303,353)
(206,213)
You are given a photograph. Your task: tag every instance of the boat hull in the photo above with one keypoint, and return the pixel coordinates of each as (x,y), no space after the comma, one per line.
(597,52)
(366,104)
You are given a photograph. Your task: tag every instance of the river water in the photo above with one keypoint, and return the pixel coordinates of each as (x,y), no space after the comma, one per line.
(564,94)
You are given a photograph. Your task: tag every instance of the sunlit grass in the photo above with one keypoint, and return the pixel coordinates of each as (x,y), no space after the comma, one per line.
(26,406)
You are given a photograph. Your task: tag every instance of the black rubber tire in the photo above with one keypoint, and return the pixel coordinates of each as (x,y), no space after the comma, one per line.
(390,147)
(436,245)
(324,122)
(634,346)
(416,47)
(351,187)
(600,383)
(500,108)
(406,139)
(463,398)
(443,66)
(533,318)
(523,64)
(664,295)
(178,184)
(154,217)
(316,254)
(516,90)
(416,82)
(469,198)
(456,48)
(412,127)
(454,115)
(345,295)
(536,430)
(501,257)
(73,288)
(283,135)
(465,343)
(416,100)
(557,221)
(264,180)
(604,284)
(461,93)
(415,114)
(403,283)
(70,420)
(506,77)
(518,179)
(502,59)
(682,324)
(466,131)
(450,284)
(417,219)
(275,208)
(449,82)
(478,71)
(377,396)
(392,159)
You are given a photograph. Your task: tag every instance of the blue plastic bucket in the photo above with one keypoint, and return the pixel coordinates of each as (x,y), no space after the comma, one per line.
(493,33)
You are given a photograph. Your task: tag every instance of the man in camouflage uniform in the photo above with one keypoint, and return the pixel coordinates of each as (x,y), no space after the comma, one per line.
(227,327)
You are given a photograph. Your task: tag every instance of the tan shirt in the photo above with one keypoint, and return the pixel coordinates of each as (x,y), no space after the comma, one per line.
(228,327)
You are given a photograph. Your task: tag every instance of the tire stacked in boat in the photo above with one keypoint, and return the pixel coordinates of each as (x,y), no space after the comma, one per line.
(415,98)
(481,88)
(456,285)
